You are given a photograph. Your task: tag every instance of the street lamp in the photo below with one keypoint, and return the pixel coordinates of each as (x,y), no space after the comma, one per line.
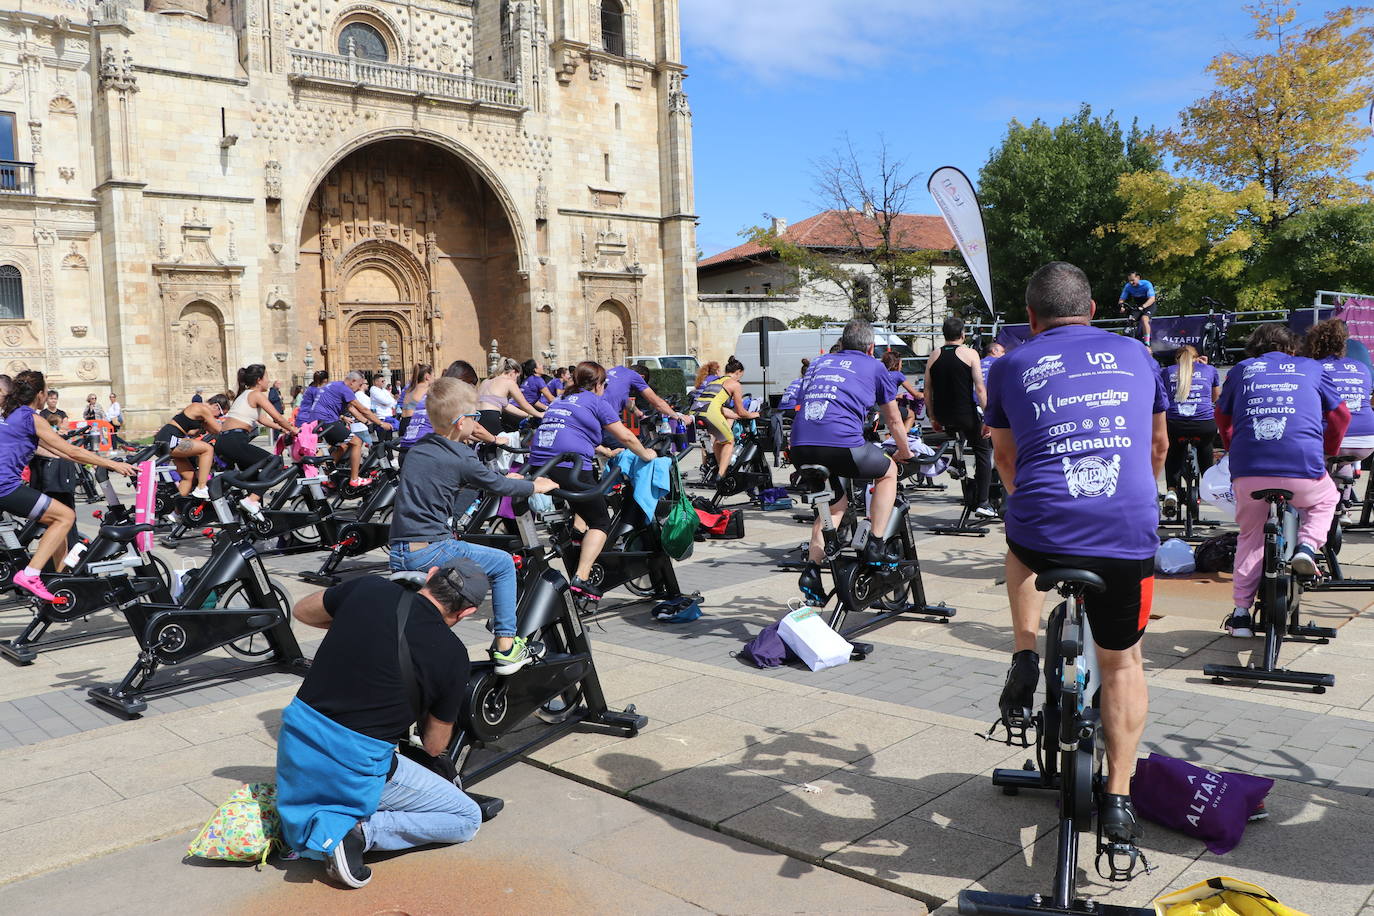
(385,359)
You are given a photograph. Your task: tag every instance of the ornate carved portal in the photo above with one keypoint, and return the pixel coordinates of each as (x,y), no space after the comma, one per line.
(200,294)
(199,336)
(610,334)
(403,243)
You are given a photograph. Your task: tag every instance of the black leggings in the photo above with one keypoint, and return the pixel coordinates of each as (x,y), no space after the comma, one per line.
(974,441)
(1203,430)
(235,446)
(595,512)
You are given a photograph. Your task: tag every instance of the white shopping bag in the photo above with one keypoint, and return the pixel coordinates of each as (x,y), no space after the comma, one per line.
(806,633)
(1175,558)
(1216,488)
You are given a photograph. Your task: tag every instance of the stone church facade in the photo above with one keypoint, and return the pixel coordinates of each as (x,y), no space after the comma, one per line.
(188,186)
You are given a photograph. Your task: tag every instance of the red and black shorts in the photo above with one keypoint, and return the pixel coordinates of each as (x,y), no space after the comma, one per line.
(1119,615)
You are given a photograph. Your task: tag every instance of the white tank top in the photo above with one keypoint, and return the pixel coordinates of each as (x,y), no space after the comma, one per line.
(243,412)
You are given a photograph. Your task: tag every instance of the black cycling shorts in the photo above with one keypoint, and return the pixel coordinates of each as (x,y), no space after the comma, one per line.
(235,446)
(863,462)
(1134,306)
(25,502)
(336,433)
(595,512)
(1119,615)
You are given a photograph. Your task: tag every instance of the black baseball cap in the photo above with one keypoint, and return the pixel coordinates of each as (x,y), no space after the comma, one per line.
(467,579)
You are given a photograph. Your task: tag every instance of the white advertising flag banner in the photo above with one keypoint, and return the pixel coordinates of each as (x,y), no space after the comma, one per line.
(958,203)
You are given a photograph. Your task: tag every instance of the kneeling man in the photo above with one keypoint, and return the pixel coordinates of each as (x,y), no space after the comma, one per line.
(341,787)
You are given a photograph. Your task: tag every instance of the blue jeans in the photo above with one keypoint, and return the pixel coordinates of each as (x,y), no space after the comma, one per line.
(419,807)
(497,564)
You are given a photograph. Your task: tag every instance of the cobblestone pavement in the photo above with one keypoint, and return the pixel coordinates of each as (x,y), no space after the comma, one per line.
(873,769)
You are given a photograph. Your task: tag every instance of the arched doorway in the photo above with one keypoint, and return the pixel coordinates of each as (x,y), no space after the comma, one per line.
(199,354)
(403,242)
(610,334)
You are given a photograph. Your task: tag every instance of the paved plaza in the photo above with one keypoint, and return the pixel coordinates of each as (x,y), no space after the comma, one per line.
(863,788)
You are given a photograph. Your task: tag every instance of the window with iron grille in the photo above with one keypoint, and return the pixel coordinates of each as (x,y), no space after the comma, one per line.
(11,292)
(613,27)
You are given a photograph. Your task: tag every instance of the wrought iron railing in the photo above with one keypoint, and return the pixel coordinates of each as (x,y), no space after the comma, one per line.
(337,68)
(16,177)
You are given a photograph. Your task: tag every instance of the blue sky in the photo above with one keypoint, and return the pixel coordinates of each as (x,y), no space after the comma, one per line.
(777,84)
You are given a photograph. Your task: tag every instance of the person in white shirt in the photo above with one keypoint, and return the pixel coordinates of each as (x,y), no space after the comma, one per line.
(358,427)
(115,413)
(383,401)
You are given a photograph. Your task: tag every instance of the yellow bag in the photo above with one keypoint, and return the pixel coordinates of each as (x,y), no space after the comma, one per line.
(1222,897)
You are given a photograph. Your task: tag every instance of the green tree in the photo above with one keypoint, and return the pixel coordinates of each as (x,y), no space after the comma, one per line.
(1325,248)
(1199,238)
(1045,189)
(1287,117)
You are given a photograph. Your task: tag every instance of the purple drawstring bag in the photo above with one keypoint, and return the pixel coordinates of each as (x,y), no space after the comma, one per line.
(767,650)
(1212,807)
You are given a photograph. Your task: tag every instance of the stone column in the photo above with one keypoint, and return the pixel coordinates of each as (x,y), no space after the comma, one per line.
(678,228)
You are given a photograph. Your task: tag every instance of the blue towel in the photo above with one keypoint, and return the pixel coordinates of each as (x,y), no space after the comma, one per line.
(650,480)
(328,778)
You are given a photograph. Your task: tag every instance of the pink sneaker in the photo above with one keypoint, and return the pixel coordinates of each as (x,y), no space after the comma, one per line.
(357,482)
(34,585)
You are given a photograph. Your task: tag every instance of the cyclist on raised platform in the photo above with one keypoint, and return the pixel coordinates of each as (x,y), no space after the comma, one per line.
(839,391)
(1138,299)
(1077,417)
(1193,387)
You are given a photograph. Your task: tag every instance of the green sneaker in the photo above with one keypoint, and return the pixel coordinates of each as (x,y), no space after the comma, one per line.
(514,658)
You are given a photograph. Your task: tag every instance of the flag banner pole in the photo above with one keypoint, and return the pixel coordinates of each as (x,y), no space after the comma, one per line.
(958,203)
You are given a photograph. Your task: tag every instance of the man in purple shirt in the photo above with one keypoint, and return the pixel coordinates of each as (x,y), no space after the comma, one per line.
(837,393)
(624,381)
(1077,418)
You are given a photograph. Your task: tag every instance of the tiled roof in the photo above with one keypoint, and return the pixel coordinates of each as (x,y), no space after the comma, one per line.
(837,229)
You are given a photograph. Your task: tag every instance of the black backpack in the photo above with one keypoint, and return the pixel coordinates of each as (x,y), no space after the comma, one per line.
(1217,554)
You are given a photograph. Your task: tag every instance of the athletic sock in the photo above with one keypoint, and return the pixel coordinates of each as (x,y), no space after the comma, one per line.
(30,572)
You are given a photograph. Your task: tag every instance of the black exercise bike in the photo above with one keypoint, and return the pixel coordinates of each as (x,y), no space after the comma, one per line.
(1069,752)
(1277,605)
(1188,510)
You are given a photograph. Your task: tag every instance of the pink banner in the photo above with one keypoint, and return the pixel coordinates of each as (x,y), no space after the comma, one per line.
(145,503)
(1358,315)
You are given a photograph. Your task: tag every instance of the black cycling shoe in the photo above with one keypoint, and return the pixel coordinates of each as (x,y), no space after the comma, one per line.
(1016,705)
(812,588)
(1118,856)
(1119,823)
(875,552)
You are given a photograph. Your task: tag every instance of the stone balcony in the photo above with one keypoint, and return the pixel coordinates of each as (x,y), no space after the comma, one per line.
(368,75)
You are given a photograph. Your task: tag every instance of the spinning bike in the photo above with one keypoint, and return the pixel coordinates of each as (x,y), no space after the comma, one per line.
(560,686)
(1277,605)
(369,530)
(1069,750)
(1189,492)
(958,469)
(894,586)
(748,471)
(1334,578)
(1213,345)
(228,603)
(110,573)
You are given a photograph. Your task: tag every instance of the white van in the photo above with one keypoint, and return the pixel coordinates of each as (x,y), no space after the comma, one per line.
(786,350)
(688,364)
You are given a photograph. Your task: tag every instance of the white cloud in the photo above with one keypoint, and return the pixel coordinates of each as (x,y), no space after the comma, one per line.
(776,39)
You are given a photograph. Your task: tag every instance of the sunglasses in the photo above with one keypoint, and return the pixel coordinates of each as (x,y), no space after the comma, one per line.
(466,416)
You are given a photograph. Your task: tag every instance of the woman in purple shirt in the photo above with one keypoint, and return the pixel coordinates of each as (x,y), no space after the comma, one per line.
(906,392)
(19,437)
(532,384)
(1326,343)
(1193,387)
(1279,414)
(576,423)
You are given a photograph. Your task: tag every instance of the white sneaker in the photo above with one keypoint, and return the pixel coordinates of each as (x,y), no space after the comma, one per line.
(1171,503)
(251,506)
(1239,624)
(200,493)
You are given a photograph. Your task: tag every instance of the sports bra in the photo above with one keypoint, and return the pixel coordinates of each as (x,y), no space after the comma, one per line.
(488,401)
(241,410)
(188,426)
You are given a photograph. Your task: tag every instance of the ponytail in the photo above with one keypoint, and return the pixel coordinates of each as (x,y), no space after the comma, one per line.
(27,386)
(733,365)
(1187,354)
(319,378)
(527,369)
(706,371)
(249,376)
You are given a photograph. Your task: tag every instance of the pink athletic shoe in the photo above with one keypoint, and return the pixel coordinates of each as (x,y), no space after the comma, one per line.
(34,585)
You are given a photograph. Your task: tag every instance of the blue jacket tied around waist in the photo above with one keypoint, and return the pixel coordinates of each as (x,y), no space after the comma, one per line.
(328,778)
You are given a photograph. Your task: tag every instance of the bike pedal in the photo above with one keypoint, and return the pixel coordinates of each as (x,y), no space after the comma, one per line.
(1017,730)
(1122,861)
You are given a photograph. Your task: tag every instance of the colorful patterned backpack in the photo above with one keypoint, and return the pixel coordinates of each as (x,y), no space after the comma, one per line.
(244,828)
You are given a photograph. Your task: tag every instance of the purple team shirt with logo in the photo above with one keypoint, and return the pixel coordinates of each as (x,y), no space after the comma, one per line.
(1278,405)
(839,390)
(532,389)
(573,423)
(329,404)
(1080,403)
(1352,380)
(621,381)
(18,440)
(1198,403)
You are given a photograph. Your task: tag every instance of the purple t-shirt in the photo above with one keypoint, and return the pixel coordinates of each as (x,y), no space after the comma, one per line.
(308,398)
(789,394)
(328,404)
(986,365)
(532,388)
(418,426)
(18,440)
(555,387)
(621,381)
(899,379)
(1080,403)
(1352,380)
(1278,405)
(837,393)
(573,423)
(1198,403)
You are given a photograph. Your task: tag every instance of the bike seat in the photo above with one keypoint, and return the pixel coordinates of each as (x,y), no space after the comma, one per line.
(1272,494)
(123,534)
(1052,578)
(814,477)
